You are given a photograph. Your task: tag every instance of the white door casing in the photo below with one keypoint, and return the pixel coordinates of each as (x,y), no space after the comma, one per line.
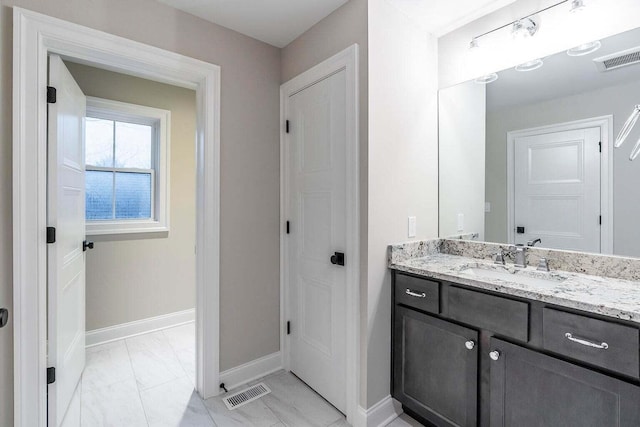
(65,257)
(557,189)
(317,212)
(602,156)
(35,36)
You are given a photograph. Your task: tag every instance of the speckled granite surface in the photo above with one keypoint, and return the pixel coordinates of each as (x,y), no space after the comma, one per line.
(610,287)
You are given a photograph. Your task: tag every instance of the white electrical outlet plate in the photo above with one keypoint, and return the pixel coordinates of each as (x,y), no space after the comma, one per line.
(412,226)
(460,222)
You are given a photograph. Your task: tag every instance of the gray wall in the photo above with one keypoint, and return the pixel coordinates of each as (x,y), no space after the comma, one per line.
(133,277)
(344,27)
(403,164)
(618,101)
(249,157)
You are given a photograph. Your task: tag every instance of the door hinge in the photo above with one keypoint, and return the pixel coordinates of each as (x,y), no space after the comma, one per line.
(600,220)
(286,126)
(52,95)
(600,146)
(288,327)
(288,227)
(51,234)
(51,375)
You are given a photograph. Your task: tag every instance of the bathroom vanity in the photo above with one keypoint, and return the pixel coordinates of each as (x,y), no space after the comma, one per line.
(477,343)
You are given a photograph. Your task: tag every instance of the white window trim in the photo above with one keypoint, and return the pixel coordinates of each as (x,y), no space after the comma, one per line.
(160,120)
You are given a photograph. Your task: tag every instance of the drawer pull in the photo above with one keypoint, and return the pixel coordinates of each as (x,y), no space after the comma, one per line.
(602,346)
(415,294)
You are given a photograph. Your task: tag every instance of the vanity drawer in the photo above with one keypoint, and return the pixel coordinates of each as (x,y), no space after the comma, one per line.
(598,342)
(500,315)
(422,294)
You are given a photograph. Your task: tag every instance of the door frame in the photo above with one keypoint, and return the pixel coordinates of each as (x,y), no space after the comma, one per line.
(346,60)
(605,123)
(34,37)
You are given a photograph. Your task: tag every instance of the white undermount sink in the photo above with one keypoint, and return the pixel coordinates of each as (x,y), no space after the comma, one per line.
(520,277)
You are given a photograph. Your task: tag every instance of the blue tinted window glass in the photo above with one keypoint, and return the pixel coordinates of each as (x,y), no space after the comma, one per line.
(133,195)
(99,196)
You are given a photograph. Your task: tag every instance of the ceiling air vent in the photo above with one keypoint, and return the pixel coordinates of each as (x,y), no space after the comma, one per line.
(618,59)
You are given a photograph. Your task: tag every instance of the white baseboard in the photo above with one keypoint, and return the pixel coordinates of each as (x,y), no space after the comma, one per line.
(139,327)
(380,414)
(240,375)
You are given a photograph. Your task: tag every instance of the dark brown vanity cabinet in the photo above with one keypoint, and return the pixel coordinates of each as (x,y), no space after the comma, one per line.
(436,368)
(466,357)
(530,389)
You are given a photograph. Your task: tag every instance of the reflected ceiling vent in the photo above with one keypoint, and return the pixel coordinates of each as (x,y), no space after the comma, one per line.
(618,59)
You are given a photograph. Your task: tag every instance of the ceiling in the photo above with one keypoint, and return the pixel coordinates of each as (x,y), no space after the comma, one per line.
(562,76)
(439,17)
(277,22)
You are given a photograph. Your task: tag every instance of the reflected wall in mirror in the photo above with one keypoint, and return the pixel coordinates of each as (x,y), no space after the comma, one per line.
(530,156)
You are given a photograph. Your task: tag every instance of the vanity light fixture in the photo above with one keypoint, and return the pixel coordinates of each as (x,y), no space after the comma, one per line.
(585,48)
(486,79)
(524,28)
(530,65)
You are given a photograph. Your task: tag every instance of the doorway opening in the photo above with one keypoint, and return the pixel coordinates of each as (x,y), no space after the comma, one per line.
(139,267)
(36,37)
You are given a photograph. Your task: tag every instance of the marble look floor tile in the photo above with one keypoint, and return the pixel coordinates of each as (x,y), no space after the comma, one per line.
(114,405)
(181,337)
(254,414)
(187,359)
(174,404)
(296,404)
(154,360)
(341,423)
(106,364)
(404,420)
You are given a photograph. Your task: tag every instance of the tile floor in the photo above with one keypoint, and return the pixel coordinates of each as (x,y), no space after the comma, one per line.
(148,380)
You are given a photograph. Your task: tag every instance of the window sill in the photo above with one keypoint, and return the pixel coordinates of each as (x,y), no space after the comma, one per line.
(128,227)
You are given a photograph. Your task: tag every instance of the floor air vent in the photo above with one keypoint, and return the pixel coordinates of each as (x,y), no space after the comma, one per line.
(618,59)
(248,395)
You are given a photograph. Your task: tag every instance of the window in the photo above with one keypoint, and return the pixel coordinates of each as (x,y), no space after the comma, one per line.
(127,168)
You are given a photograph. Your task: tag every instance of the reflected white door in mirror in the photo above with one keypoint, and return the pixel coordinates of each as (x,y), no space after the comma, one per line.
(556,195)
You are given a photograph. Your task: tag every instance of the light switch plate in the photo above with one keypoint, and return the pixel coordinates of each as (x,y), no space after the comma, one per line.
(487,207)
(460,222)
(412,226)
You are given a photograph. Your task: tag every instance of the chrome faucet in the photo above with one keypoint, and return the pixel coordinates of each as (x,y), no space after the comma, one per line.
(519,255)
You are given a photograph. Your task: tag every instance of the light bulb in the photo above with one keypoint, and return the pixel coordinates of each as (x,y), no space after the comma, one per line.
(577,6)
(530,65)
(486,79)
(524,28)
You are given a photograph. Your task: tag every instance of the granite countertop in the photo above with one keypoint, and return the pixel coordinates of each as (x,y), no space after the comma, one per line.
(614,297)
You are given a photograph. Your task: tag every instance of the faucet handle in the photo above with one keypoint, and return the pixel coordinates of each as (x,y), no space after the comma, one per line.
(499,257)
(543,265)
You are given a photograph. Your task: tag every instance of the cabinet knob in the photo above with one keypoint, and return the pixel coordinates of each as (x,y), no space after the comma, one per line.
(494,355)
(470,345)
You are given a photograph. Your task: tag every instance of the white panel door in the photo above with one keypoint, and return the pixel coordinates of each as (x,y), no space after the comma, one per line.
(557,189)
(65,257)
(317,211)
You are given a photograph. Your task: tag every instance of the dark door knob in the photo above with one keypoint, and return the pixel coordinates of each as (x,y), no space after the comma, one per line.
(337,258)
(86,245)
(4,317)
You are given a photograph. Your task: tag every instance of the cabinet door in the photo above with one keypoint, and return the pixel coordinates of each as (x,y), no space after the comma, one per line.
(435,374)
(532,389)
